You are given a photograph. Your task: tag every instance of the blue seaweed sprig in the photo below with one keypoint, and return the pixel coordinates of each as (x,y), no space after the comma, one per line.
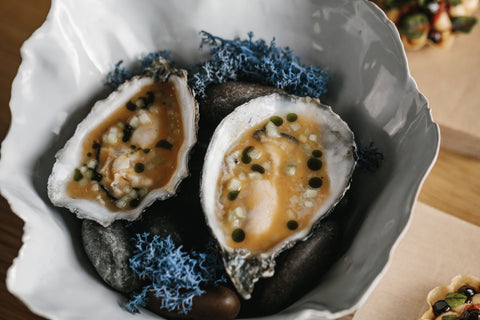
(172,274)
(118,76)
(369,158)
(256,61)
(121,74)
(247,60)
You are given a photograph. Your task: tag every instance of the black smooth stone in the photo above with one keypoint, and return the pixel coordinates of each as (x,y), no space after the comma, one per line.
(108,249)
(162,223)
(297,271)
(221,99)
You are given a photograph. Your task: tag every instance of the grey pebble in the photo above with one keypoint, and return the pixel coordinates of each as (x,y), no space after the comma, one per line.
(109,249)
(221,99)
(298,270)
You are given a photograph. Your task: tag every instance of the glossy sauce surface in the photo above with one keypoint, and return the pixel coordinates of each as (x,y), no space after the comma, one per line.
(133,151)
(271,187)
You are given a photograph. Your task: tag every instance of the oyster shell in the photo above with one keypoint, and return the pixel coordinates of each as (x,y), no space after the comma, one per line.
(274,167)
(130,150)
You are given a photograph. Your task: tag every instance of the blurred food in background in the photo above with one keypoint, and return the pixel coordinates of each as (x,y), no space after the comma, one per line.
(434,22)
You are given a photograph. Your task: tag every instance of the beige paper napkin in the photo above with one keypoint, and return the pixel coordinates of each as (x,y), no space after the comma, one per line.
(435,248)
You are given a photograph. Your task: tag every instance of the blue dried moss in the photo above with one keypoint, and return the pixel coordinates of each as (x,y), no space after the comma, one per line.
(369,158)
(172,274)
(256,61)
(120,74)
(246,60)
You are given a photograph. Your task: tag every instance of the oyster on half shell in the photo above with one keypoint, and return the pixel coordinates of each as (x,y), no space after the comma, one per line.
(274,167)
(130,150)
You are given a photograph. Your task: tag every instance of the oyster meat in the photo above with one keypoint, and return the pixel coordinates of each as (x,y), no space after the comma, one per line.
(130,150)
(274,167)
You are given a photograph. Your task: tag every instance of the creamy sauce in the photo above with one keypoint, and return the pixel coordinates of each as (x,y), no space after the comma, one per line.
(271,187)
(133,151)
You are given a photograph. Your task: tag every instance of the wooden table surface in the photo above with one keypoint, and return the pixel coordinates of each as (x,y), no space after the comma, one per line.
(453,185)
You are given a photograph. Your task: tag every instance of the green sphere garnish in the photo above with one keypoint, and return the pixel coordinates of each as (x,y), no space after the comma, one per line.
(276,120)
(77,175)
(245,156)
(232,195)
(292,117)
(258,168)
(139,167)
(314,164)
(317,153)
(238,235)
(315,182)
(292,225)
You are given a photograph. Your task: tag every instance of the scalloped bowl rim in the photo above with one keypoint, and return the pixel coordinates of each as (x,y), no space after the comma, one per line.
(35,211)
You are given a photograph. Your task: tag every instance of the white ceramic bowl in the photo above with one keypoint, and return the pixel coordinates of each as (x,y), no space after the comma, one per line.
(64,67)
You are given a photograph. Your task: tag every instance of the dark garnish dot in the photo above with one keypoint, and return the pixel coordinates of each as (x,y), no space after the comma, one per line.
(292,117)
(127,132)
(95,145)
(429,7)
(144,102)
(258,168)
(317,153)
(289,137)
(164,144)
(238,235)
(89,154)
(139,167)
(292,225)
(467,290)
(314,164)
(131,106)
(245,157)
(150,98)
(146,150)
(232,195)
(133,147)
(439,307)
(77,175)
(134,203)
(276,120)
(435,36)
(96,176)
(315,182)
